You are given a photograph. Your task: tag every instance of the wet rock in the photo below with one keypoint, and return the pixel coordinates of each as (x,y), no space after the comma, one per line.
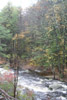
(40,96)
(55,94)
(55,86)
(38,99)
(61,98)
(47,85)
(64,94)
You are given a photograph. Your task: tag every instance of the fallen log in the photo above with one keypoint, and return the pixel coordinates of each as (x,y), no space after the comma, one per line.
(1,98)
(41,73)
(6,95)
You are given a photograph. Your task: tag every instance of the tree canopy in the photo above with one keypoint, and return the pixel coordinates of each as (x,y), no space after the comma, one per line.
(39,34)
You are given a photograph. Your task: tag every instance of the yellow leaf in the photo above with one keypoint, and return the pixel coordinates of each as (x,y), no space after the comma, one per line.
(47,50)
(62,42)
(61,52)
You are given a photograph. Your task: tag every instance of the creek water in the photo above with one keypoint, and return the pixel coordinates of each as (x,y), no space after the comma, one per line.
(43,88)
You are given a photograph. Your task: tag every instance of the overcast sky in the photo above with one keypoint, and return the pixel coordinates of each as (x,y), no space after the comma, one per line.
(23,3)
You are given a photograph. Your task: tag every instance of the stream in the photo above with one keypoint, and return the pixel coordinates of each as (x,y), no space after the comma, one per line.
(43,88)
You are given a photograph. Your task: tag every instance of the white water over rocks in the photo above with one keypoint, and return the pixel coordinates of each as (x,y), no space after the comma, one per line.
(2,71)
(44,89)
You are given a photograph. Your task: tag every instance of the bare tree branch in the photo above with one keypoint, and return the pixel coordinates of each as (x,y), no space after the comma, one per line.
(6,95)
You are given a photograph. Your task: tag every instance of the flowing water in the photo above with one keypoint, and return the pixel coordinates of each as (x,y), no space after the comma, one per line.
(43,88)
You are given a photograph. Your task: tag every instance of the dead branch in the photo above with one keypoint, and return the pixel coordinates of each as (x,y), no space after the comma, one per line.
(6,95)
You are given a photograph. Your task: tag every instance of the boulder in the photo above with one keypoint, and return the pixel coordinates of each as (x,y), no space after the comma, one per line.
(55,86)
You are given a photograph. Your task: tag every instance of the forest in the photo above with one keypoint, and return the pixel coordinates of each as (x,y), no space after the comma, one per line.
(35,37)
